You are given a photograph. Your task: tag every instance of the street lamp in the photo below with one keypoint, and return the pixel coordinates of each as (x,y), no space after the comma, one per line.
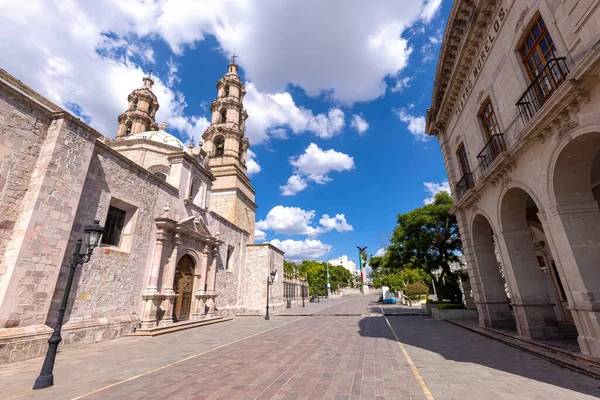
(328,284)
(93,233)
(303,288)
(270,281)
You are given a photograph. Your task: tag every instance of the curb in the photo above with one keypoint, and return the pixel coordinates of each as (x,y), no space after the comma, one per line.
(549,353)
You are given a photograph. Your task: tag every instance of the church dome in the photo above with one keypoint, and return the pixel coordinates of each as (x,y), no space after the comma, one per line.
(160,136)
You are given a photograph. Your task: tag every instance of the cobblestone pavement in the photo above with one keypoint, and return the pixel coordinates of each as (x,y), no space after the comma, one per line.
(359,356)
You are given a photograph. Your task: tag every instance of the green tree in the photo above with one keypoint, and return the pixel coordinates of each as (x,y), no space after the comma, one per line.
(316,277)
(428,238)
(339,277)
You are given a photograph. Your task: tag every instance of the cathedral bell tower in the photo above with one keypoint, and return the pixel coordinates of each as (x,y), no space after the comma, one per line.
(141,110)
(224,141)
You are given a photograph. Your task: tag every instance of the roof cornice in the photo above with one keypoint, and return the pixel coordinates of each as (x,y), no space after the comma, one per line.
(466,30)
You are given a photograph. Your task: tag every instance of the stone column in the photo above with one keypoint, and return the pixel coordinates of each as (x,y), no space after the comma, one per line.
(472,269)
(574,240)
(167,285)
(151,296)
(533,308)
(212,272)
(493,301)
(198,290)
(202,287)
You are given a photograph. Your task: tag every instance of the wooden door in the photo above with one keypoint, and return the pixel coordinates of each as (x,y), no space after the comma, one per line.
(183,286)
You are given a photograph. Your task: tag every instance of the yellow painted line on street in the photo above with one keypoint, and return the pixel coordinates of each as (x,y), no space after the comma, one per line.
(182,360)
(413,368)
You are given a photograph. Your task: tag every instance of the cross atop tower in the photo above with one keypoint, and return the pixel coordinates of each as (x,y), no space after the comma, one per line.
(150,73)
(233,57)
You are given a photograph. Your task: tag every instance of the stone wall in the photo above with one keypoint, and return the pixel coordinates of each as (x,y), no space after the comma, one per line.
(112,269)
(261,260)
(23,128)
(230,281)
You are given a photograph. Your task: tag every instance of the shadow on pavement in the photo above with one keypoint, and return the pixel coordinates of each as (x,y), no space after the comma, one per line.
(460,345)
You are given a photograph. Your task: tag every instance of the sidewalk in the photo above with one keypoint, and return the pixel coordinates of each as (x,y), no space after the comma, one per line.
(82,369)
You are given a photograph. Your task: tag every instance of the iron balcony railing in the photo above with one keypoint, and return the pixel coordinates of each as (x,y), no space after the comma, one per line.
(465,183)
(491,150)
(543,86)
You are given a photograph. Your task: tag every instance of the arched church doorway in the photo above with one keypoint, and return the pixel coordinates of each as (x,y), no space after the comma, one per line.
(495,310)
(534,288)
(183,284)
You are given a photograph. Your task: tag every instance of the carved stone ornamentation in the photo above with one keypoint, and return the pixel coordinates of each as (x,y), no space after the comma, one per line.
(480,96)
(472,203)
(568,126)
(521,18)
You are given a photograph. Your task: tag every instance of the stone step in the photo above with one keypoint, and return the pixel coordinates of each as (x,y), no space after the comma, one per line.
(178,326)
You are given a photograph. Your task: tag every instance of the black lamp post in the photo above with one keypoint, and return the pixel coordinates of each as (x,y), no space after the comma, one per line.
(303,290)
(93,233)
(270,280)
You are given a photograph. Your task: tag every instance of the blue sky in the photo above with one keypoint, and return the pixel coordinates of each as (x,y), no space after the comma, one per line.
(337,93)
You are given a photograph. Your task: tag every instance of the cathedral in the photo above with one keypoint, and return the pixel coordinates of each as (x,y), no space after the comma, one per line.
(178,247)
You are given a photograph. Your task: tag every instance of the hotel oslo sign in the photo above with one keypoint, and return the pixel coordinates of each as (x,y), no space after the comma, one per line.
(490,39)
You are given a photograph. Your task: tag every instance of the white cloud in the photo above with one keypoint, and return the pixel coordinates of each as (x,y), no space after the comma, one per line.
(288,221)
(89,54)
(259,236)
(64,52)
(401,84)
(296,221)
(272,114)
(172,77)
(251,163)
(381,252)
(359,123)
(430,9)
(314,165)
(338,223)
(308,249)
(295,184)
(434,188)
(415,124)
(372,49)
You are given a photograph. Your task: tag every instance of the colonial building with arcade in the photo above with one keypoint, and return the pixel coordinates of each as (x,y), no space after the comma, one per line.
(178,247)
(516,109)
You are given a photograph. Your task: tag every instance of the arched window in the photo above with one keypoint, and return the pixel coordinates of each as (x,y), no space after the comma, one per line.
(219,146)
(223,115)
(150,109)
(161,175)
(128,127)
(226,90)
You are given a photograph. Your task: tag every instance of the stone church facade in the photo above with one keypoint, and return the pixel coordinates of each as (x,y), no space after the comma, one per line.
(516,109)
(179,221)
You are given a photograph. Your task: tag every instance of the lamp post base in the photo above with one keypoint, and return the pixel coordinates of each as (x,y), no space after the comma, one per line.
(43,382)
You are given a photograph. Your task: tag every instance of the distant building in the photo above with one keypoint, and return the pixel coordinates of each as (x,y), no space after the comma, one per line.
(345,262)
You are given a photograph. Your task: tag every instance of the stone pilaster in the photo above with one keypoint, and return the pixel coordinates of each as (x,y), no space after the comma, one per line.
(169,276)
(36,250)
(151,297)
(573,233)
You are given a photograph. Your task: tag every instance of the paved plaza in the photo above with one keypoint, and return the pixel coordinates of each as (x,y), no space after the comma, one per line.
(346,350)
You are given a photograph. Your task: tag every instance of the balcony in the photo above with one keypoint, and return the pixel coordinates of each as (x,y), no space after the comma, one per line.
(491,150)
(543,86)
(464,184)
